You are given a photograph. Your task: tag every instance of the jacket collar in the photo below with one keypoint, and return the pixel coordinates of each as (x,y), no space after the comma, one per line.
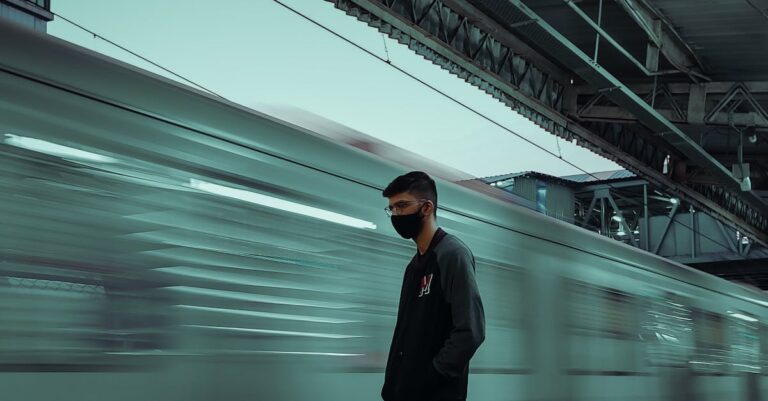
(439,235)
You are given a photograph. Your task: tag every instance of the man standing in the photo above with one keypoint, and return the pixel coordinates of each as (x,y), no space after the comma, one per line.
(440,320)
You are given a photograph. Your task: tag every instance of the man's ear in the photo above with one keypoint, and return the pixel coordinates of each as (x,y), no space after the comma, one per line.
(430,208)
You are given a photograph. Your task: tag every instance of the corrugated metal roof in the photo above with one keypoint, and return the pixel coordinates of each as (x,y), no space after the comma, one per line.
(601,176)
(729,36)
(568,180)
(527,174)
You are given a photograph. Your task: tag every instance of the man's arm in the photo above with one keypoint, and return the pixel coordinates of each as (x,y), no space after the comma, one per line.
(457,272)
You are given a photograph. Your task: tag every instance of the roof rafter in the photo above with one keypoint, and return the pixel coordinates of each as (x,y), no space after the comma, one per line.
(665,38)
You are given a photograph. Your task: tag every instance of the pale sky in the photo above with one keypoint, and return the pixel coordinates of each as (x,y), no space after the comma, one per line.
(256,52)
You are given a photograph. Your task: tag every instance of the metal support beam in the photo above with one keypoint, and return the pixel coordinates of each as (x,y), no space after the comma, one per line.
(622,221)
(604,195)
(713,104)
(599,23)
(620,115)
(615,185)
(678,88)
(647,228)
(735,97)
(697,99)
(603,226)
(729,240)
(608,38)
(663,90)
(694,232)
(652,50)
(589,213)
(664,38)
(746,249)
(668,224)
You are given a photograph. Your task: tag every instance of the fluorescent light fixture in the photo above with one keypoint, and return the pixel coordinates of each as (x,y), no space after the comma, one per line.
(273,332)
(746,184)
(246,279)
(281,204)
(674,201)
(742,316)
(261,298)
(621,232)
(616,217)
(242,352)
(636,232)
(237,352)
(268,315)
(65,152)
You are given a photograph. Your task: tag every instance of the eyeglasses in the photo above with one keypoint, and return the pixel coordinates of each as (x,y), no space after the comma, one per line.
(398,207)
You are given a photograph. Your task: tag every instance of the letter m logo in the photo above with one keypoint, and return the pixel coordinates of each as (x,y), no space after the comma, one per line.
(426,282)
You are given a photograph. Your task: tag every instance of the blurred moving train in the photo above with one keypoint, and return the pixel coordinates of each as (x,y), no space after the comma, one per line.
(157,243)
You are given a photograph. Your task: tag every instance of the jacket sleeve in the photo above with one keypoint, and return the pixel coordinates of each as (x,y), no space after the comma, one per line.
(457,272)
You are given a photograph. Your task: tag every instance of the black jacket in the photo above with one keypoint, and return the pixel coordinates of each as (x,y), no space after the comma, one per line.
(440,325)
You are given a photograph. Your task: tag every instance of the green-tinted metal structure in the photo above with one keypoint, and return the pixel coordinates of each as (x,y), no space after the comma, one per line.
(622,206)
(33,14)
(674,91)
(671,118)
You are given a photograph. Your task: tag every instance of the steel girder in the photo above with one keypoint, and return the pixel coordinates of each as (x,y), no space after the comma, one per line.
(664,39)
(486,55)
(711,104)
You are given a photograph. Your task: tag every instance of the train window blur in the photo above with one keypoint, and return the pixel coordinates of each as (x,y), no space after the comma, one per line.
(42,318)
(745,343)
(763,349)
(603,330)
(712,348)
(602,311)
(619,314)
(46,322)
(668,331)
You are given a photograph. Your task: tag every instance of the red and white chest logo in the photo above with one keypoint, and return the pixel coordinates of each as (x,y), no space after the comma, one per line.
(426,282)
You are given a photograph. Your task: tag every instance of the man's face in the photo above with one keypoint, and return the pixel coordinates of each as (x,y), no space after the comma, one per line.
(405,203)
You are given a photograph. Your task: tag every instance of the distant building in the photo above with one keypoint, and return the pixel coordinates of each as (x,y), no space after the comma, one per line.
(33,14)
(550,195)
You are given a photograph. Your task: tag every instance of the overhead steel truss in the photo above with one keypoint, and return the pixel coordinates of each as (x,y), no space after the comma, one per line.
(459,38)
(712,103)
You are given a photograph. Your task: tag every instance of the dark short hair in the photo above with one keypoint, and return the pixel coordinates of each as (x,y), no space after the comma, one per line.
(416,183)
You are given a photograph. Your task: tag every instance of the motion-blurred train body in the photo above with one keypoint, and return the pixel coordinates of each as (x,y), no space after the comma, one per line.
(158,243)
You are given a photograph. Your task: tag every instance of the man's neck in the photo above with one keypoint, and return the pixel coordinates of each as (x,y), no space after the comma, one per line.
(425,237)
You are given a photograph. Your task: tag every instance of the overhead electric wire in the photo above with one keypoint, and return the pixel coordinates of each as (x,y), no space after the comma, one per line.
(125,49)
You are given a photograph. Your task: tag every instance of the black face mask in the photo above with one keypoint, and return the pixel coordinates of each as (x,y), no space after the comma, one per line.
(408,225)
